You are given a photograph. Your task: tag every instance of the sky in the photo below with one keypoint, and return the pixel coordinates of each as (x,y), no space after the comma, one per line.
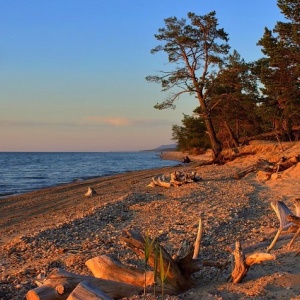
(72,72)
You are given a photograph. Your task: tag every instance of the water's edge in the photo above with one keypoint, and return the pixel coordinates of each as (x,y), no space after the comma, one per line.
(25,172)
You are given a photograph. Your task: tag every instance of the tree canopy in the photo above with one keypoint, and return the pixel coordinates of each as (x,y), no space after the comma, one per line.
(279,70)
(231,108)
(196,49)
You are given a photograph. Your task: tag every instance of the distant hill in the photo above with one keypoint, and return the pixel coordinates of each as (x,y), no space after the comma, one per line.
(170,147)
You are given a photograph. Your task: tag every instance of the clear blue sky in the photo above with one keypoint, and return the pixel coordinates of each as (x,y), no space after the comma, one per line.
(72,72)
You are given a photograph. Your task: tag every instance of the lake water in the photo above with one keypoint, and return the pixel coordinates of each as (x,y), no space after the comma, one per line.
(22,172)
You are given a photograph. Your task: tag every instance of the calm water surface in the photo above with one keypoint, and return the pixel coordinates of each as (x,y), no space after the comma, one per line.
(22,172)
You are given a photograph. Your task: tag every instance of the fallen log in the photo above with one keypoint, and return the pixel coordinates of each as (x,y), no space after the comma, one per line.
(244,172)
(171,274)
(86,290)
(159,182)
(106,267)
(60,283)
(175,179)
(285,163)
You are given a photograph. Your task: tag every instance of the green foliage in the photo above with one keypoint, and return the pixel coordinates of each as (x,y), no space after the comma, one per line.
(290,8)
(233,99)
(231,107)
(156,253)
(192,135)
(279,70)
(163,273)
(152,246)
(149,244)
(196,47)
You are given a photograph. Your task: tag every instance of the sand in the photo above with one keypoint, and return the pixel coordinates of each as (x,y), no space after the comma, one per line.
(59,227)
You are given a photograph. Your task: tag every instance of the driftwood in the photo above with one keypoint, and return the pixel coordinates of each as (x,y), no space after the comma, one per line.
(107,267)
(61,283)
(284,215)
(198,240)
(90,192)
(175,281)
(265,169)
(158,181)
(86,290)
(244,172)
(285,163)
(295,220)
(175,179)
(241,264)
(115,280)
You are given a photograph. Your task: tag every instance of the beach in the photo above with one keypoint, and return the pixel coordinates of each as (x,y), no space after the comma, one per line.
(60,227)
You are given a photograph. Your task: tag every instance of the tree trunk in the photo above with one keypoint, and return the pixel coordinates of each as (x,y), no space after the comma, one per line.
(216,145)
(233,139)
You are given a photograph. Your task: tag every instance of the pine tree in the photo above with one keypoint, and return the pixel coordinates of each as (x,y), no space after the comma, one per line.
(196,49)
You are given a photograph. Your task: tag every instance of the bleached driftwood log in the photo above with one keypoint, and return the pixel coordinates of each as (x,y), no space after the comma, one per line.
(175,179)
(198,239)
(244,172)
(106,267)
(90,192)
(265,168)
(86,290)
(295,220)
(60,284)
(282,213)
(160,182)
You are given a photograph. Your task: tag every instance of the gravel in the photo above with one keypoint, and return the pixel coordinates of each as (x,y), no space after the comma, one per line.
(230,209)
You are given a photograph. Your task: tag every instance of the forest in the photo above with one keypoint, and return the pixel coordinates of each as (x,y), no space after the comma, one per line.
(237,101)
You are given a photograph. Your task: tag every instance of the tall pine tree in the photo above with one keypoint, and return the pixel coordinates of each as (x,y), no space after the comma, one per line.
(280,69)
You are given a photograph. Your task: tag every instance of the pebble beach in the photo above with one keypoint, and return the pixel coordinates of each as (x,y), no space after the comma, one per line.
(60,227)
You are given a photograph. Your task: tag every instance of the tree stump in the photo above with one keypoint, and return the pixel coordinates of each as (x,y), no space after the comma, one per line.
(175,281)
(241,264)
